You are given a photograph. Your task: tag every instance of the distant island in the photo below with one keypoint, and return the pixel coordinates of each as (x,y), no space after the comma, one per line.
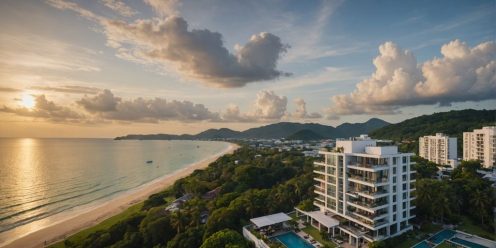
(288,130)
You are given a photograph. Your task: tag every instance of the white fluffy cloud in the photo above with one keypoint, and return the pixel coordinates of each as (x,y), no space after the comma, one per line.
(196,53)
(301,111)
(462,74)
(268,106)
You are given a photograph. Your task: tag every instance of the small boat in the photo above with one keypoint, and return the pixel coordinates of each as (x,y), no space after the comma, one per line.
(197,146)
(149,161)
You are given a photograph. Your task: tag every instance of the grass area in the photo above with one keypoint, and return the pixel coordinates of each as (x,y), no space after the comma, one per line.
(444,245)
(315,233)
(80,236)
(466,225)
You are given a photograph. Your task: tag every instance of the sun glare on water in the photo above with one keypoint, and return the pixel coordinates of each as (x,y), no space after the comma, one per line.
(27,101)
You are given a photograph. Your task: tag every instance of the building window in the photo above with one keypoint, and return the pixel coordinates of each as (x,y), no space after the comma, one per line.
(404,160)
(394,189)
(404,168)
(404,186)
(394,160)
(404,214)
(394,170)
(394,198)
(394,208)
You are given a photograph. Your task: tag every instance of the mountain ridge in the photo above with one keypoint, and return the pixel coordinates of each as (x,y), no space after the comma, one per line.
(272,131)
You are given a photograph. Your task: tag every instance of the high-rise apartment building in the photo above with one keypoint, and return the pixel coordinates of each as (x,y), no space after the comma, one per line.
(439,149)
(367,187)
(480,144)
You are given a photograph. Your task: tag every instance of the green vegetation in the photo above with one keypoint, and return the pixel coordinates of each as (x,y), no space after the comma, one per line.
(250,187)
(452,123)
(466,196)
(317,235)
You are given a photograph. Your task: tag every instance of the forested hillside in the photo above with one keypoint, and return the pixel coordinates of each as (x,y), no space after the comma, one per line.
(452,123)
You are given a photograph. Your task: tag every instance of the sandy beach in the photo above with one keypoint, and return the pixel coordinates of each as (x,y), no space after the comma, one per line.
(92,216)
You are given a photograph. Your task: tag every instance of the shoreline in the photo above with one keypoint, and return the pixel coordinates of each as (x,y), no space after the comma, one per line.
(92,216)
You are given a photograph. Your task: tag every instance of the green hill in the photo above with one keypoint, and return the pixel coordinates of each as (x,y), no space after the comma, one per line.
(305,134)
(452,123)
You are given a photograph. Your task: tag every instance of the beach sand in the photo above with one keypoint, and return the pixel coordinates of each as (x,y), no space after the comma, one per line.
(71,225)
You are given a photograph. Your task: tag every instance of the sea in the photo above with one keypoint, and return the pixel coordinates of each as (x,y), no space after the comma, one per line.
(42,178)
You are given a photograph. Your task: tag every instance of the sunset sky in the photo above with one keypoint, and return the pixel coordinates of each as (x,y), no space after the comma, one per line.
(104,68)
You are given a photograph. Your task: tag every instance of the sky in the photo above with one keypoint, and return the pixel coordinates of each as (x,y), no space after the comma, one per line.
(105,68)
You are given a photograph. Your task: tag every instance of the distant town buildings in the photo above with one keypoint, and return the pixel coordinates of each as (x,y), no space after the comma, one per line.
(365,186)
(439,149)
(480,144)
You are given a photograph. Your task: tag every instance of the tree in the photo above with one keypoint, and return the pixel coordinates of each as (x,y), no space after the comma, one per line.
(377,244)
(480,203)
(225,238)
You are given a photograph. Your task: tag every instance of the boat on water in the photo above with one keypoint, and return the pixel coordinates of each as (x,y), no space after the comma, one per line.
(149,161)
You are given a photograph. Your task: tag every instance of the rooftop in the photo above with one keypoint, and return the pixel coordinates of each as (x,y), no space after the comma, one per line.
(270,219)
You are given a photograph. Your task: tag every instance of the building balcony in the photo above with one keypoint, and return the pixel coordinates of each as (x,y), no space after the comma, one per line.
(372,194)
(368,181)
(319,190)
(366,205)
(369,167)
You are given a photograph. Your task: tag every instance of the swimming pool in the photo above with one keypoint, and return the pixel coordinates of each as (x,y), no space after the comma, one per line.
(439,237)
(466,243)
(291,240)
(422,244)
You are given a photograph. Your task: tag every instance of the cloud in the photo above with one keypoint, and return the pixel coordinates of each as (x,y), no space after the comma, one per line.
(267,106)
(196,53)
(75,89)
(164,7)
(461,74)
(8,89)
(105,105)
(301,111)
(103,102)
(120,7)
(46,109)
(36,52)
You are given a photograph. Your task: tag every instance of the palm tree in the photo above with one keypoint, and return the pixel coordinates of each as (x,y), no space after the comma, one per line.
(480,202)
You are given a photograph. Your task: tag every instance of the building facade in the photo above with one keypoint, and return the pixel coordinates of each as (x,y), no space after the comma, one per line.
(439,149)
(367,187)
(480,144)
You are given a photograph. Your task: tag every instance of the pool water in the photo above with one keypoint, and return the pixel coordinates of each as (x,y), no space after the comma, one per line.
(422,244)
(439,237)
(291,240)
(466,243)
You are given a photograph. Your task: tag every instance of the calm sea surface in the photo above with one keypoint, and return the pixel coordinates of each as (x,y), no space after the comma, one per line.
(42,177)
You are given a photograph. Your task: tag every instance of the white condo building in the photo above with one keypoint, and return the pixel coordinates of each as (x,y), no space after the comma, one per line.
(367,187)
(480,144)
(439,149)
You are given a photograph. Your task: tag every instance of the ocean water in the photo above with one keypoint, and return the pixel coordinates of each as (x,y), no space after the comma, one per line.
(40,178)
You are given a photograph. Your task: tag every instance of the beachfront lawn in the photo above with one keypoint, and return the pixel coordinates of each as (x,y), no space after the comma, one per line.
(315,233)
(466,225)
(104,225)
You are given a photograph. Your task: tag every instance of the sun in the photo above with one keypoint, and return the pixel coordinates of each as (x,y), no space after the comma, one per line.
(27,101)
